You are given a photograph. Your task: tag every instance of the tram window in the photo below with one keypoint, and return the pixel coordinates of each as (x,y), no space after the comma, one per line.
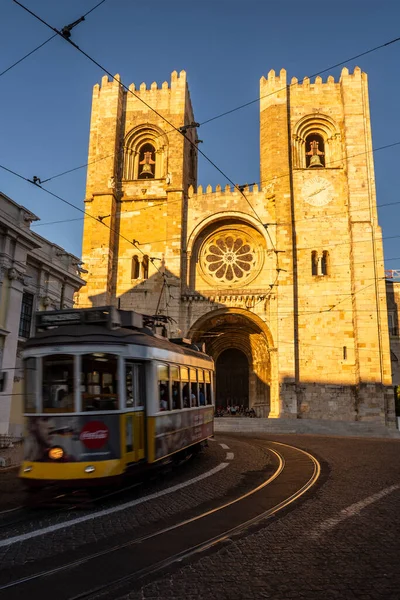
(202,394)
(193,394)
(58,383)
(99,381)
(30,385)
(200,375)
(193,387)
(176,387)
(185,395)
(163,387)
(134,386)
(185,387)
(207,378)
(209,399)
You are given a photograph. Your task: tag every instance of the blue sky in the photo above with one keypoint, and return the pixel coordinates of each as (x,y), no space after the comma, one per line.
(224,45)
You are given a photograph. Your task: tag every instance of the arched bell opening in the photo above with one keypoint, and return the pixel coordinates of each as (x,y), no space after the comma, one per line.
(241,347)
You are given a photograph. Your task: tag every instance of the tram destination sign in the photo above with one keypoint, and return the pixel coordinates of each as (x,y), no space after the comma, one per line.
(93,316)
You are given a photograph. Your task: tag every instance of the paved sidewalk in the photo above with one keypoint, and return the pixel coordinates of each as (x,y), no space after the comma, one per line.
(237,424)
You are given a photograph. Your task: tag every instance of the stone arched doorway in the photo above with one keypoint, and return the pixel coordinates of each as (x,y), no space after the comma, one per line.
(237,329)
(232,379)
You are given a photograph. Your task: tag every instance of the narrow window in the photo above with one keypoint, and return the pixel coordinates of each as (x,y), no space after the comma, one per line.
(26,315)
(209,398)
(392,324)
(30,384)
(145,267)
(134,385)
(325,263)
(344,352)
(314,262)
(135,267)
(176,387)
(185,387)
(163,387)
(147,162)
(315,155)
(193,388)
(202,391)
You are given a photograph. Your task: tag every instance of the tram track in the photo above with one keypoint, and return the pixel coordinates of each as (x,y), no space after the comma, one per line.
(67,500)
(131,562)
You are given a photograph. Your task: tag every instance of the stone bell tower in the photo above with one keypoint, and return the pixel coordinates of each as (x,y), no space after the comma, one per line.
(316,153)
(139,172)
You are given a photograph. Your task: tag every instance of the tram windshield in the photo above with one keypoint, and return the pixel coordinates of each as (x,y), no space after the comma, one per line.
(99,376)
(98,385)
(58,383)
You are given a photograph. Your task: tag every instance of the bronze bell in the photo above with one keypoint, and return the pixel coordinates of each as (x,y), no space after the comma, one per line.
(315,161)
(146,170)
(315,154)
(147,162)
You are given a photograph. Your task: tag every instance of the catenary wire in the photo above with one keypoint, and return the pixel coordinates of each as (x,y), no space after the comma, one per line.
(27,55)
(95,62)
(228,112)
(77,208)
(272,179)
(168,203)
(166,120)
(44,43)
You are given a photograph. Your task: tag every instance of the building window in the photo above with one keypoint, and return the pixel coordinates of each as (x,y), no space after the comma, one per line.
(314,262)
(145,153)
(315,155)
(316,142)
(135,268)
(320,264)
(26,315)
(145,267)
(392,324)
(325,263)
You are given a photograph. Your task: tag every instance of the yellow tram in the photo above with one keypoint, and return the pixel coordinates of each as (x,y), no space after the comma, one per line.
(103,395)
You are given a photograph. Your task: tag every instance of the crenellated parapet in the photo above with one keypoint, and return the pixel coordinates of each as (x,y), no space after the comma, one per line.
(226,191)
(178,80)
(274,86)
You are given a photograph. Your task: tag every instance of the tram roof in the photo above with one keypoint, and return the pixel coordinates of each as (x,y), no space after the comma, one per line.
(96,334)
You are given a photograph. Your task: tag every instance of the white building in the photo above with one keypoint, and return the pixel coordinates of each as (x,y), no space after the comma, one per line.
(35,275)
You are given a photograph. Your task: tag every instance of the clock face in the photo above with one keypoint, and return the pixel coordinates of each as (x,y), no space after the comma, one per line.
(317,191)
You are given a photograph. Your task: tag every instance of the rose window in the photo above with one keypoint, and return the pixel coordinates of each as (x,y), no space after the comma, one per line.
(230,257)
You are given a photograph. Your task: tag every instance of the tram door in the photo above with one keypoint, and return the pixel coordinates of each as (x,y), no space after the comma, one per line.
(134,425)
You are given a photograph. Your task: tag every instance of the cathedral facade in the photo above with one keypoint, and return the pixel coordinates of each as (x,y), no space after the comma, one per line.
(284,281)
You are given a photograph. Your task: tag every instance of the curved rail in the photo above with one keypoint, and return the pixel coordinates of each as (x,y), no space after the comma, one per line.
(91,567)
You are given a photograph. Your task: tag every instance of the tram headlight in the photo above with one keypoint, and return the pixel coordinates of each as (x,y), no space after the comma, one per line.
(90,469)
(56,453)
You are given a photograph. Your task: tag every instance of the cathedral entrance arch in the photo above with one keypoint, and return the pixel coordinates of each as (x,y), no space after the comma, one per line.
(242,348)
(232,379)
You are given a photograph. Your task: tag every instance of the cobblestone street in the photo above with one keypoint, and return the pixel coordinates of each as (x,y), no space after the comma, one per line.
(339,541)
(333,545)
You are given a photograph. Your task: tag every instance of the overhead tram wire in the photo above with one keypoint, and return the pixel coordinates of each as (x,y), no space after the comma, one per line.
(182,130)
(270,180)
(27,55)
(325,217)
(339,64)
(46,42)
(38,185)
